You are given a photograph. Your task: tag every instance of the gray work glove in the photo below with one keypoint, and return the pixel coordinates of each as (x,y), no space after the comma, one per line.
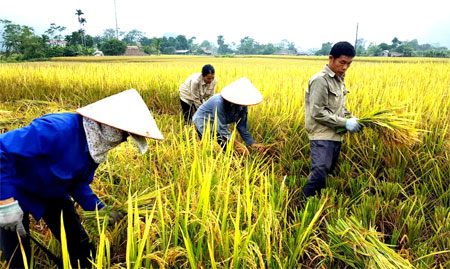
(114,215)
(352,125)
(11,216)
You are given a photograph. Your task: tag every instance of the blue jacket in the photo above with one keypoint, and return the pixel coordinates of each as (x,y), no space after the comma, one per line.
(47,159)
(226,113)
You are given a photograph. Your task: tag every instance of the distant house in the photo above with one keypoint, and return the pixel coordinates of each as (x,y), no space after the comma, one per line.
(385,53)
(206,51)
(61,43)
(98,53)
(286,52)
(182,52)
(134,51)
(397,54)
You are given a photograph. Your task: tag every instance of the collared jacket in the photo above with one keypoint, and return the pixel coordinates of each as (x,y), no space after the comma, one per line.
(195,91)
(325,109)
(226,113)
(47,159)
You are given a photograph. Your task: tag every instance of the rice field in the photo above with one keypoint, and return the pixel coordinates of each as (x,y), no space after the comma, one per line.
(191,205)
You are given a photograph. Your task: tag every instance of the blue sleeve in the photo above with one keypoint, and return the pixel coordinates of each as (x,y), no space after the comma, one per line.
(37,139)
(242,128)
(83,195)
(222,126)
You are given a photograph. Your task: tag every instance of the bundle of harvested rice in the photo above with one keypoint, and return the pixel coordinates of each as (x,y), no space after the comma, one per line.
(394,127)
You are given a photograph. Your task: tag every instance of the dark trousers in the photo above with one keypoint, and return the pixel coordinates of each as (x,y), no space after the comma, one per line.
(222,141)
(78,242)
(324,156)
(188,111)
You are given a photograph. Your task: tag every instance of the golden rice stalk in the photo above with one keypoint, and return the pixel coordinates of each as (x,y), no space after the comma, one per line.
(362,248)
(394,126)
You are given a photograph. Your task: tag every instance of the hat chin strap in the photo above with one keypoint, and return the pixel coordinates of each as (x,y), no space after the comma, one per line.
(140,142)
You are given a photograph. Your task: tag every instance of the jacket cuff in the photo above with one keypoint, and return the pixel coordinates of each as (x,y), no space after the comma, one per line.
(341,121)
(6,191)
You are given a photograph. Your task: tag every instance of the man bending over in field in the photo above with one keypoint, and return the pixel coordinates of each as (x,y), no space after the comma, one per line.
(325,112)
(230,106)
(53,159)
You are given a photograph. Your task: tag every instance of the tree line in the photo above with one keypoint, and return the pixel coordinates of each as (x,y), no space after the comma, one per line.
(20,42)
(410,48)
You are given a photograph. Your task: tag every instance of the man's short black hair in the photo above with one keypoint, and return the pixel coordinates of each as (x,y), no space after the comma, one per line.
(208,69)
(342,48)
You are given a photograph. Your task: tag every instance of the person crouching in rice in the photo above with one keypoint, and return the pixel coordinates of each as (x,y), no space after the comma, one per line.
(46,164)
(230,106)
(196,90)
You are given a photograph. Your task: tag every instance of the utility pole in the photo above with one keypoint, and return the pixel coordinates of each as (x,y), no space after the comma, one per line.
(117,28)
(356,39)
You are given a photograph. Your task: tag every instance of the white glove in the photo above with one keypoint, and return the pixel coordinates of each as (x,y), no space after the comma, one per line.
(352,125)
(11,216)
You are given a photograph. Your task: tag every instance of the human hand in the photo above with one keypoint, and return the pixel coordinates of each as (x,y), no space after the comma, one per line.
(11,216)
(242,150)
(352,125)
(114,215)
(261,148)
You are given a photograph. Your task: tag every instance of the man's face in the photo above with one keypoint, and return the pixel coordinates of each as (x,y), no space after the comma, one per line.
(340,65)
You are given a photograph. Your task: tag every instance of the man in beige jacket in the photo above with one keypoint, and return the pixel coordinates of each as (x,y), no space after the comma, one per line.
(325,112)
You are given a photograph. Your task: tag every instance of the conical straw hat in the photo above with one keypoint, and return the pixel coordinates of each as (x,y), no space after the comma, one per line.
(242,92)
(125,111)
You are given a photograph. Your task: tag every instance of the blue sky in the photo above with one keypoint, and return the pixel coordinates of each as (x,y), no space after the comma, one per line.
(307,23)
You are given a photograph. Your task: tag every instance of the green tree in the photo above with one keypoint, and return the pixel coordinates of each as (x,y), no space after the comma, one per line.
(132,37)
(145,41)
(223,48)
(82,21)
(181,43)
(406,49)
(114,47)
(21,40)
(325,50)
(268,49)
(361,47)
(384,46)
(191,44)
(157,45)
(247,46)
(79,38)
(169,50)
(207,45)
(414,44)
(395,43)
(54,32)
(11,35)
(108,34)
(374,50)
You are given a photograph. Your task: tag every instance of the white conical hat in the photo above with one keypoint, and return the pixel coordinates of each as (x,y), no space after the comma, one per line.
(125,111)
(242,92)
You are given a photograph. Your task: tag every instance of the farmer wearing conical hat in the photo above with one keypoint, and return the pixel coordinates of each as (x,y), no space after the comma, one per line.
(325,112)
(54,159)
(230,106)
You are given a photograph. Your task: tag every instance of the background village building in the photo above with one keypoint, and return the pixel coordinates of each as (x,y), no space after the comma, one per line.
(396,54)
(182,52)
(61,43)
(134,51)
